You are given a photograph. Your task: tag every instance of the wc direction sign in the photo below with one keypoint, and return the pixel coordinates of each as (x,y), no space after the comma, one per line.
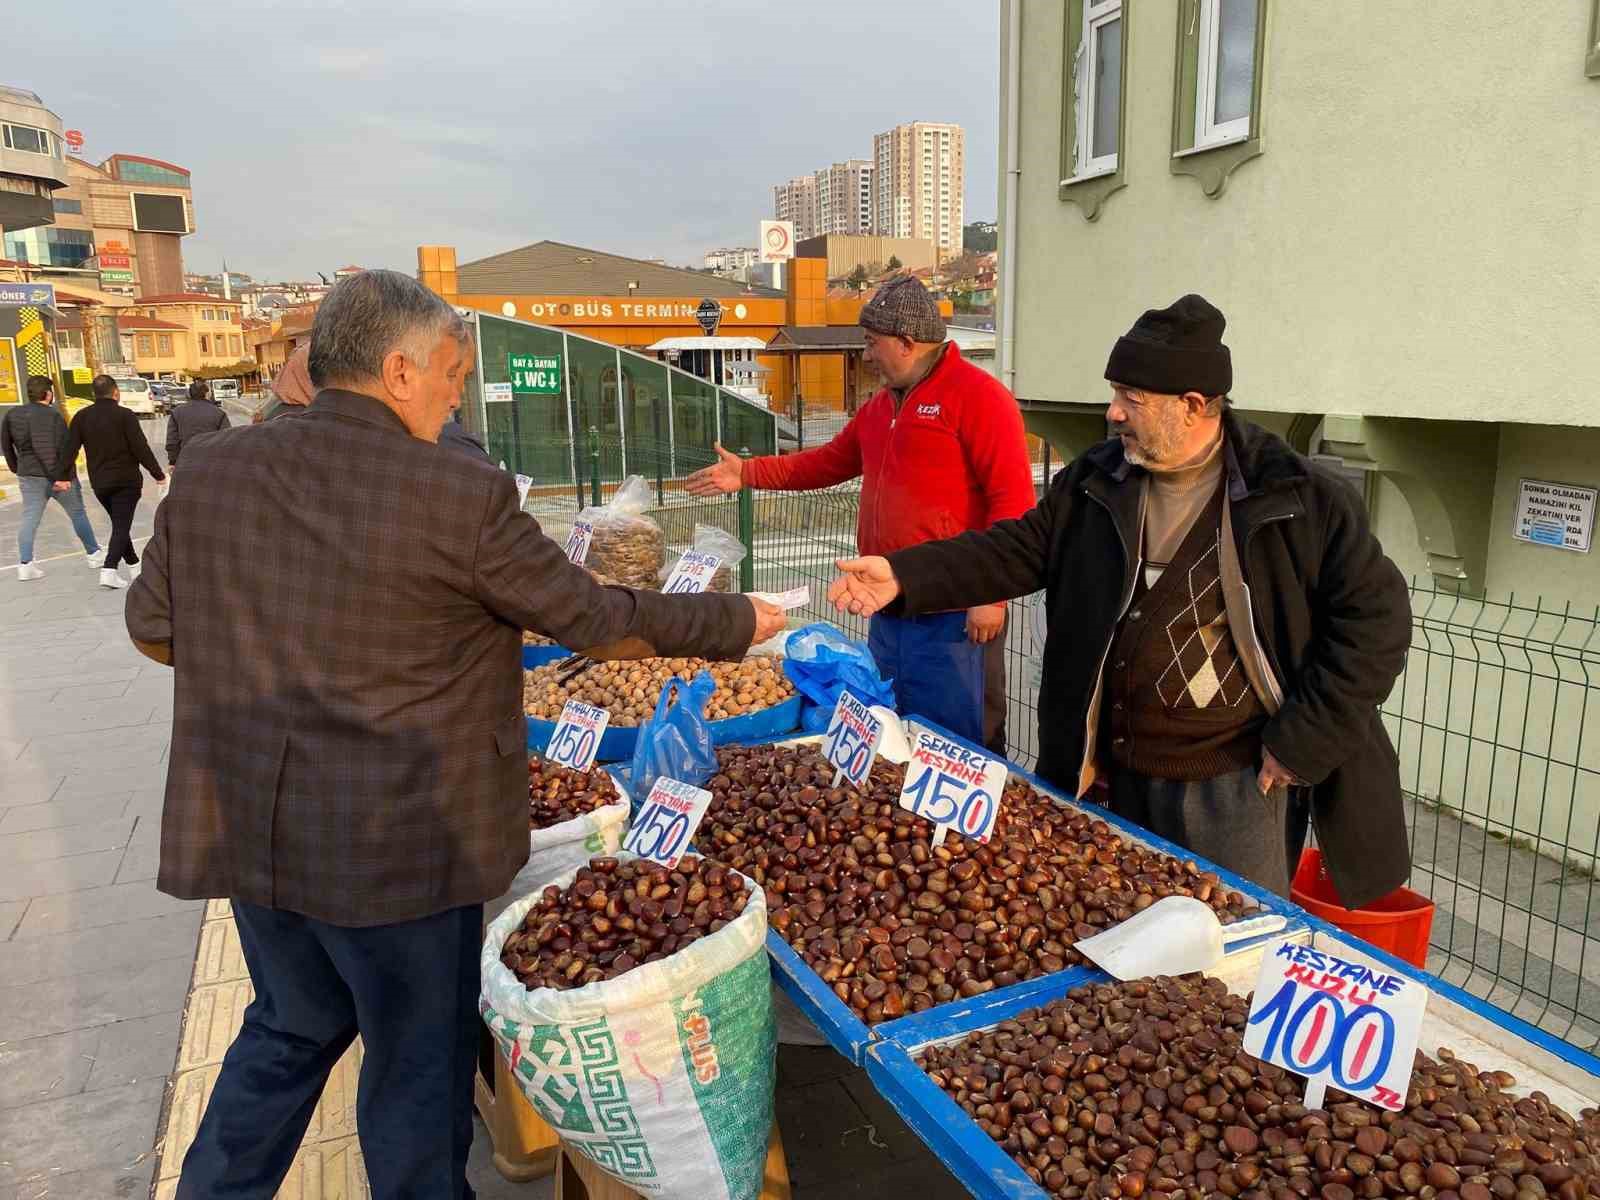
(534,374)
(1339,1019)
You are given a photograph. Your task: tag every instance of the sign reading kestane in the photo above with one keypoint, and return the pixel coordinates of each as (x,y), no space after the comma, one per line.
(1555,514)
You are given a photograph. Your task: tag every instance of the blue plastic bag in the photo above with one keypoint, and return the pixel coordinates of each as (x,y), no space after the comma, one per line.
(676,741)
(821,662)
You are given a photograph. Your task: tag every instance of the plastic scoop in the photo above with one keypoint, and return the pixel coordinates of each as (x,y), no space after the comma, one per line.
(1174,936)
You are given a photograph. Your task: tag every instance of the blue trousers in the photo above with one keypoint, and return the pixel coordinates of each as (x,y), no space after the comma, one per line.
(411,991)
(36,493)
(937,672)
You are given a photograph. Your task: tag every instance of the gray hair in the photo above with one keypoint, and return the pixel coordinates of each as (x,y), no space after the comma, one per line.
(367,317)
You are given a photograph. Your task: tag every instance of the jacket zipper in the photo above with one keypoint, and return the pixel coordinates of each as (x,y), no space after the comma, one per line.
(883,459)
(1277,671)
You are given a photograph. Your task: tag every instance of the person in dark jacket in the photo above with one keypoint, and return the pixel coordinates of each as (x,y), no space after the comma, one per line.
(116,448)
(196,415)
(1222,624)
(457,436)
(33,437)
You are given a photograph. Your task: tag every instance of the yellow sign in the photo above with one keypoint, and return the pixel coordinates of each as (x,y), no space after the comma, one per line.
(82,375)
(10,387)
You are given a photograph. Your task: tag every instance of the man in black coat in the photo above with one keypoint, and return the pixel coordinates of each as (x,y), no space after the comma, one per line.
(1222,623)
(116,448)
(196,415)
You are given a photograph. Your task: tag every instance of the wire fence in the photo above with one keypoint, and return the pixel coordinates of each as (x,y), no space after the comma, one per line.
(1493,720)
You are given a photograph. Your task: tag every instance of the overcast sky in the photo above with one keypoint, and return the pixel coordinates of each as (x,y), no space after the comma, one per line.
(325,132)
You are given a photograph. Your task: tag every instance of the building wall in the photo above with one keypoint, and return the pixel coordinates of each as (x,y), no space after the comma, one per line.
(844,254)
(1418,238)
(919,183)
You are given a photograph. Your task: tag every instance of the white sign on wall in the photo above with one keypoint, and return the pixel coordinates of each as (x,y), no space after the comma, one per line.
(777,241)
(1555,514)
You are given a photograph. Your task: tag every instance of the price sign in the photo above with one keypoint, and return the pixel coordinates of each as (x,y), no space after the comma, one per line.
(852,740)
(1340,1020)
(693,573)
(577,737)
(664,826)
(952,786)
(524,482)
(578,540)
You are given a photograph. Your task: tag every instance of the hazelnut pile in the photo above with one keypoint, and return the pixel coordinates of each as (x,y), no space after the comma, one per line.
(629,690)
(617,915)
(557,794)
(1144,1089)
(895,924)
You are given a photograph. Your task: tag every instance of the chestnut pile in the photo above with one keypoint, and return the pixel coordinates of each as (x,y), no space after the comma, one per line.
(557,794)
(617,915)
(1144,1089)
(629,690)
(897,925)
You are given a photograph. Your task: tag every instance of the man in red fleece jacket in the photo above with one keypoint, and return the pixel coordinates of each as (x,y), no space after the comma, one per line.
(940,451)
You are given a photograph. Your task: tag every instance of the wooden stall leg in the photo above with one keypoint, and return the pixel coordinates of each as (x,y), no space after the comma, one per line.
(525,1147)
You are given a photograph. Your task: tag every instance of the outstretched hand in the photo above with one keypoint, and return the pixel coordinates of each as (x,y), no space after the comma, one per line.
(864,586)
(770,620)
(725,475)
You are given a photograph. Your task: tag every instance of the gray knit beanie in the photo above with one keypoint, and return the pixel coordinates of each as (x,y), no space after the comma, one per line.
(903,308)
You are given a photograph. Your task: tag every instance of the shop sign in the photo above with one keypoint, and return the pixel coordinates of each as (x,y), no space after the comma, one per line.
(602,310)
(852,740)
(114,260)
(1555,514)
(71,357)
(115,246)
(693,573)
(74,141)
(27,295)
(666,824)
(1341,1020)
(709,314)
(534,374)
(953,786)
(115,276)
(777,241)
(497,393)
(10,389)
(576,740)
(82,375)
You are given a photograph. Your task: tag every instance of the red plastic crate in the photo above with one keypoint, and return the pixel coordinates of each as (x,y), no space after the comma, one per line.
(1399,922)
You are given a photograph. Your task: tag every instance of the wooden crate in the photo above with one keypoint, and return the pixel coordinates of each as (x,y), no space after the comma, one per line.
(525,1148)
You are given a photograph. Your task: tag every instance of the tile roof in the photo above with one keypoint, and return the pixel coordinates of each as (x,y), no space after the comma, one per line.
(557,269)
(185,298)
(135,321)
(819,337)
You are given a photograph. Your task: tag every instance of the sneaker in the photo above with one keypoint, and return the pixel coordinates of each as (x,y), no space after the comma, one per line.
(110,579)
(96,560)
(29,570)
(130,571)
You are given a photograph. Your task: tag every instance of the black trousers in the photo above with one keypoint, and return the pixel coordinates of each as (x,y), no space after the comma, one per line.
(120,503)
(411,991)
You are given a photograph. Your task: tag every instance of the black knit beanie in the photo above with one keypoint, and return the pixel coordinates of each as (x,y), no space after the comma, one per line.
(1174,350)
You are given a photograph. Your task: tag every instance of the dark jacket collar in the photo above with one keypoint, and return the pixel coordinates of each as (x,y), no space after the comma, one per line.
(357,407)
(1255,458)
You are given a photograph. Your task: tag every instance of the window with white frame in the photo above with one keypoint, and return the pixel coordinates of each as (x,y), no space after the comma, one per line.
(1225,71)
(1097,87)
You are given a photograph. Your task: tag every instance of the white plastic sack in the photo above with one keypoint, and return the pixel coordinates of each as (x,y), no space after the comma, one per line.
(662,1076)
(711,539)
(567,846)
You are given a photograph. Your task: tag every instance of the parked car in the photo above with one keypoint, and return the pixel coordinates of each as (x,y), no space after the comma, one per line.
(169,395)
(138,396)
(224,389)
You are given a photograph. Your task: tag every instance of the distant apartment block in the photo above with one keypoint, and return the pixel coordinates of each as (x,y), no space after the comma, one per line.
(919,179)
(844,198)
(796,201)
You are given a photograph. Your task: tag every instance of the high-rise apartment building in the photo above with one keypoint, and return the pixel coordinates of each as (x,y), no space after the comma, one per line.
(796,201)
(844,198)
(918,183)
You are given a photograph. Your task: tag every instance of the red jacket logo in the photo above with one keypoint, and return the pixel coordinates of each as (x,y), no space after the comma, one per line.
(927,410)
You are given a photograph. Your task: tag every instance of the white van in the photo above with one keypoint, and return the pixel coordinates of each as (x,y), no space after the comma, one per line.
(224,389)
(137,396)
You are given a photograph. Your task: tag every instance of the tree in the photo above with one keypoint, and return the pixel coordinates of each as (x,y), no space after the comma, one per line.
(894,263)
(858,277)
(981,236)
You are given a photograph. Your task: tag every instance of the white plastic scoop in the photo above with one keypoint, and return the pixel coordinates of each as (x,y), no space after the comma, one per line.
(1174,936)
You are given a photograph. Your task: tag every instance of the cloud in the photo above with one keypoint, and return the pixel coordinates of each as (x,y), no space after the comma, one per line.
(347,61)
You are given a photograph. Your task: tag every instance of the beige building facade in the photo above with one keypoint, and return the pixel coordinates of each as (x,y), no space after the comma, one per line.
(844,198)
(796,201)
(1399,216)
(919,174)
(187,335)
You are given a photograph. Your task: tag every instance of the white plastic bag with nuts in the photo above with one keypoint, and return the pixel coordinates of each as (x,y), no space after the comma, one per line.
(627,545)
(567,846)
(663,1076)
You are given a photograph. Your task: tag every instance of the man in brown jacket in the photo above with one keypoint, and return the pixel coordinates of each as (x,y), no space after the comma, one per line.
(343,608)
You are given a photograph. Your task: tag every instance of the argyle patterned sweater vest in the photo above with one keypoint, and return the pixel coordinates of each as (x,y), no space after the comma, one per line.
(1177,704)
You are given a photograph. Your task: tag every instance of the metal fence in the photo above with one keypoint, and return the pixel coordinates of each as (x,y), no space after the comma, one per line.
(1492,720)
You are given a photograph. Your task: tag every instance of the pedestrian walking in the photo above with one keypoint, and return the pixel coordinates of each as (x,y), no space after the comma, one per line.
(34,437)
(115,445)
(1222,623)
(200,413)
(349,759)
(939,449)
